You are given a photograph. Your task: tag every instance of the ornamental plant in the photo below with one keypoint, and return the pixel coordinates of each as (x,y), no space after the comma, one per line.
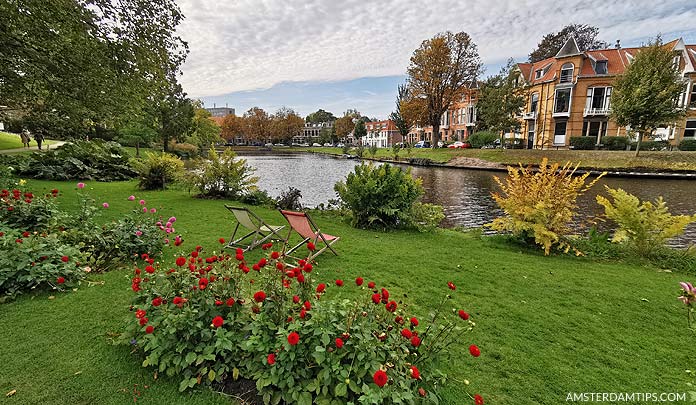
(158,171)
(539,205)
(212,317)
(23,210)
(642,226)
(222,176)
(688,297)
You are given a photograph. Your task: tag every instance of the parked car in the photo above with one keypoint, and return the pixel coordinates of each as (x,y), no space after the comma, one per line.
(316,144)
(328,145)
(422,144)
(340,145)
(460,145)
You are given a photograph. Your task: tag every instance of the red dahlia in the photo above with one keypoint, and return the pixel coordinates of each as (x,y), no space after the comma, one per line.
(218,321)
(359,281)
(150,269)
(260,296)
(474,350)
(415,341)
(293,338)
(463,314)
(391,306)
(157,301)
(311,246)
(415,373)
(296,299)
(271,359)
(478,399)
(275,255)
(307,305)
(65,259)
(371,284)
(222,241)
(321,287)
(149,329)
(406,333)
(60,280)
(230,302)
(339,283)
(376,298)
(380,378)
(451,286)
(414,321)
(339,343)
(180,261)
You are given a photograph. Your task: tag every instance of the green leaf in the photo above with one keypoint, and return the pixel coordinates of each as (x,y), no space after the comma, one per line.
(211,375)
(305,399)
(190,357)
(341,390)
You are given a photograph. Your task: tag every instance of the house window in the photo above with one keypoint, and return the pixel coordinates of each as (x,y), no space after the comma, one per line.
(692,101)
(601,67)
(562,104)
(559,133)
(598,98)
(537,74)
(690,130)
(530,129)
(567,73)
(535,102)
(675,62)
(471,114)
(594,128)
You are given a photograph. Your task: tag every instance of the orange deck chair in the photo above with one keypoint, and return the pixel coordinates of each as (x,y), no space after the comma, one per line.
(301,223)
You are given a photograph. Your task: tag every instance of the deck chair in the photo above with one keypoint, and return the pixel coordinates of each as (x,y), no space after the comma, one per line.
(260,230)
(301,223)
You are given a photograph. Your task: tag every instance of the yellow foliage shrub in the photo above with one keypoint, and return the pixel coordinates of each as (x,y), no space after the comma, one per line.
(540,204)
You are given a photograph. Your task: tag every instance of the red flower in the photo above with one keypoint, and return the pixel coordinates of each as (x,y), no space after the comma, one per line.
(339,283)
(421,391)
(222,241)
(60,280)
(140,313)
(300,278)
(218,303)
(260,296)
(474,350)
(157,302)
(150,269)
(463,314)
(406,333)
(376,298)
(178,301)
(143,321)
(308,267)
(359,281)
(218,321)
(262,262)
(230,302)
(280,266)
(271,359)
(293,338)
(415,373)
(321,287)
(399,319)
(385,294)
(478,399)
(239,256)
(380,378)
(54,191)
(149,329)
(65,259)
(311,246)
(19,241)
(414,321)
(339,343)
(296,299)
(391,306)
(451,286)
(307,305)
(415,341)
(275,255)
(25,234)
(371,284)
(180,261)
(303,313)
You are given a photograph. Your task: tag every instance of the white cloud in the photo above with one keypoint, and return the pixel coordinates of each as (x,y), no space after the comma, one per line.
(254,44)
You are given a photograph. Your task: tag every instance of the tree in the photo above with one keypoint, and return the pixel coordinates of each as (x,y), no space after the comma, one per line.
(397,115)
(320,116)
(585,35)
(136,132)
(345,125)
(286,123)
(79,65)
(439,72)
(257,124)
(359,131)
(174,116)
(232,127)
(204,131)
(499,104)
(645,95)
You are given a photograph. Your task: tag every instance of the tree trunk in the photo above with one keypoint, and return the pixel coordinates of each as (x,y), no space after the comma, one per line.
(137,149)
(640,138)
(436,135)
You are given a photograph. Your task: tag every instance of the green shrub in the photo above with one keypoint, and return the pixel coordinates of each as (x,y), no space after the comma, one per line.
(205,322)
(651,145)
(373,150)
(78,160)
(426,217)
(157,171)
(222,176)
(183,150)
(24,211)
(7,177)
(539,206)
(643,226)
(396,148)
(258,197)
(421,161)
(33,261)
(379,196)
(289,199)
(687,144)
(615,142)
(481,139)
(583,142)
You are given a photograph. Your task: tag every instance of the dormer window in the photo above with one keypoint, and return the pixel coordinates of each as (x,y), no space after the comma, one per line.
(675,62)
(537,74)
(567,73)
(601,67)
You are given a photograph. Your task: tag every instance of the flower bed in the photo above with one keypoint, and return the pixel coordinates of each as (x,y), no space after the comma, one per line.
(216,318)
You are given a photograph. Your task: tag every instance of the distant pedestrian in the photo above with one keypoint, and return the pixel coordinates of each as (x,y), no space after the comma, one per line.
(38,137)
(25,138)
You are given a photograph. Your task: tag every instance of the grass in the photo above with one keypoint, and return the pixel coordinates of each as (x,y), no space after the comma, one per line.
(13,141)
(604,160)
(546,325)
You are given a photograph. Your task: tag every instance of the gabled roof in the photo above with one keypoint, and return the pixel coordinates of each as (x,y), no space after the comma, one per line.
(691,50)
(570,48)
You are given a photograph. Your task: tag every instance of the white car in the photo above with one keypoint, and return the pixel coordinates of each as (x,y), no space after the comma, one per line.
(316,144)
(328,145)
(340,145)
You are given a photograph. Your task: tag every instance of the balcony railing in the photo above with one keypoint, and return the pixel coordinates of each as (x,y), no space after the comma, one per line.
(596,111)
(529,115)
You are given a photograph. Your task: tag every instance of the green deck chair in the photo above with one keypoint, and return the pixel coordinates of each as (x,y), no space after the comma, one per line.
(260,230)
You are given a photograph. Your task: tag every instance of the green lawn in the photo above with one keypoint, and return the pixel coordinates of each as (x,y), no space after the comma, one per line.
(546,325)
(605,160)
(13,141)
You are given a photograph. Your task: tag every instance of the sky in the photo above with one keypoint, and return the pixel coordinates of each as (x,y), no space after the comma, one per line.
(346,54)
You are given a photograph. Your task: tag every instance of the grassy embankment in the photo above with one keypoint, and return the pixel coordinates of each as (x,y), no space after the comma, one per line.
(604,160)
(546,325)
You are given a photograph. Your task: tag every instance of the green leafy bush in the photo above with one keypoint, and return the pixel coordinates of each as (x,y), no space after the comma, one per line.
(643,226)
(539,205)
(258,197)
(201,320)
(652,145)
(687,144)
(481,139)
(7,177)
(373,150)
(289,199)
(157,171)
(33,261)
(222,176)
(25,211)
(84,160)
(183,150)
(379,196)
(583,142)
(615,142)
(426,217)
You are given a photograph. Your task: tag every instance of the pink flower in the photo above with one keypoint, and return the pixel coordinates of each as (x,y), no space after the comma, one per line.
(105,205)
(138,233)
(142,202)
(131,198)
(144,209)
(688,296)
(172,219)
(80,185)
(153,210)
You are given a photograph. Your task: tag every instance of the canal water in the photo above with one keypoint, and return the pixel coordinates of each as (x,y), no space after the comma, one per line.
(464,194)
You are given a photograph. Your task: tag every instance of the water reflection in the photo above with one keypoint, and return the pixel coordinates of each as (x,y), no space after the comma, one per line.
(464,194)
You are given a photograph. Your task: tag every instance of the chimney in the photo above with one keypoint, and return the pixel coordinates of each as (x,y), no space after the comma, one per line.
(618,44)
